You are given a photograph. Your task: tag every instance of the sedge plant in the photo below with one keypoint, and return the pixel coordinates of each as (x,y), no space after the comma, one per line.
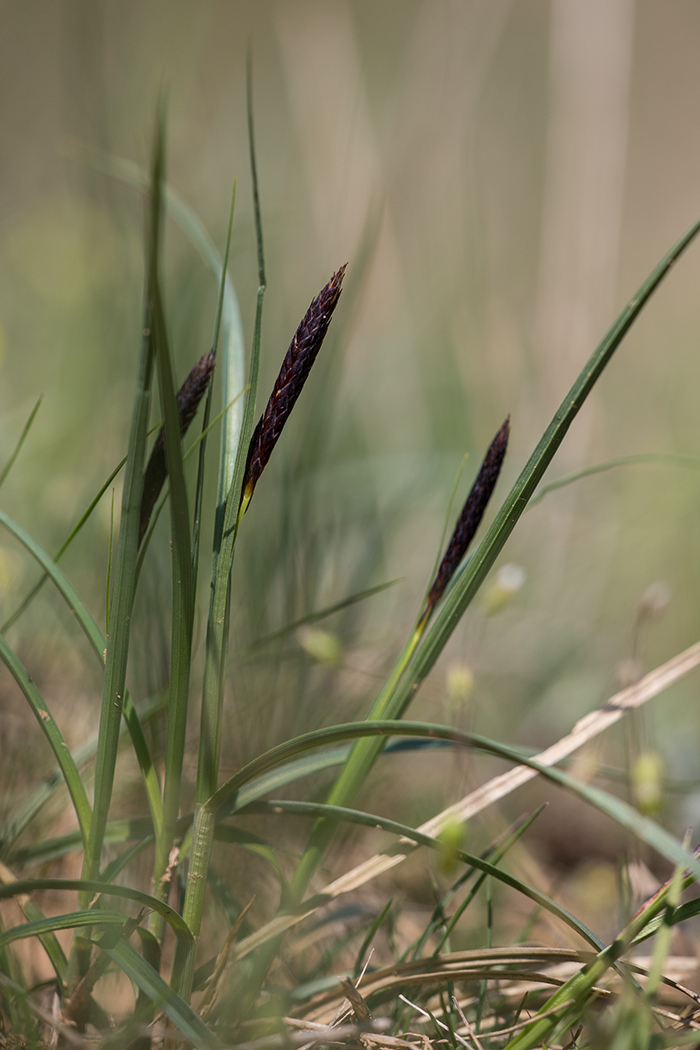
(140,941)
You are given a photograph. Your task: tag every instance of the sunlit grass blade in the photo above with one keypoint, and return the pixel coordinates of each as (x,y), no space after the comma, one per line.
(404,682)
(567,1005)
(18,447)
(125,574)
(54,736)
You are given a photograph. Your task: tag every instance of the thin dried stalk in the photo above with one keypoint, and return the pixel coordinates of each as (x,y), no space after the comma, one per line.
(294,372)
(188,397)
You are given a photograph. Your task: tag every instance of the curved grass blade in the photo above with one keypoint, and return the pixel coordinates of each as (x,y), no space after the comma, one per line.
(99,645)
(127,549)
(72,920)
(497,855)
(24,813)
(16,451)
(641,459)
(26,602)
(624,814)
(33,913)
(95,886)
(371,820)
(152,984)
(416,662)
(54,736)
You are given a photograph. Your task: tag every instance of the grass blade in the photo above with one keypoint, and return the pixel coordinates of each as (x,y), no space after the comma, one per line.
(149,981)
(125,574)
(228,520)
(72,920)
(625,815)
(33,913)
(641,459)
(94,886)
(182,592)
(99,645)
(16,451)
(371,820)
(54,736)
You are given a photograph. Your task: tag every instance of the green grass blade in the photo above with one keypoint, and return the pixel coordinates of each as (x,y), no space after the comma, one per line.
(182,593)
(371,820)
(149,981)
(322,614)
(54,736)
(18,447)
(125,570)
(624,814)
(96,886)
(99,645)
(228,519)
(25,811)
(641,459)
(231,358)
(33,913)
(71,920)
(225,536)
(199,492)
(26,602)
(403,684)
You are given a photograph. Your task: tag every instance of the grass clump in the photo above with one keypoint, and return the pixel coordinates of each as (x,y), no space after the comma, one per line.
(141,908)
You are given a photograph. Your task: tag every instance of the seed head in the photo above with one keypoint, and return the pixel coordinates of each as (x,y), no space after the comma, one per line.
(470,518)
(293,374)
(188,397)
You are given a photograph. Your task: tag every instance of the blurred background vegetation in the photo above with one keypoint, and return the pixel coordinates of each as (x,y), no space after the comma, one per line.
(500,176)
